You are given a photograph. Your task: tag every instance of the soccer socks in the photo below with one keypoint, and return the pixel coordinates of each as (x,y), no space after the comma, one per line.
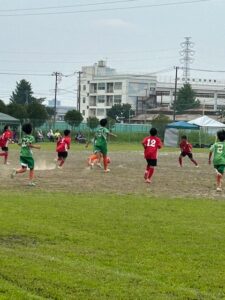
(150,172)
(180,161)
(194,161)
(105,162)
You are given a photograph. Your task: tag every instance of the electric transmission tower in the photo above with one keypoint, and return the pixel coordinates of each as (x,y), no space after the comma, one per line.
(187,54)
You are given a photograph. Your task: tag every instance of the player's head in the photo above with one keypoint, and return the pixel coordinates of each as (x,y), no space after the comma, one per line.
(103,122)
(184,137)
(6,127)
(27,128)
(66,132)
(221,135)
(153,131)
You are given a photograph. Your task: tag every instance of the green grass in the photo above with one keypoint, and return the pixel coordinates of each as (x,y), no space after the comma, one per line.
(67,246)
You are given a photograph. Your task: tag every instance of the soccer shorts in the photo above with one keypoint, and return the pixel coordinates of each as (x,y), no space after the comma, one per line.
(189,154)
(63,154)
(102,149)
(151,162)
(27,162)
(5,149)
(220,168)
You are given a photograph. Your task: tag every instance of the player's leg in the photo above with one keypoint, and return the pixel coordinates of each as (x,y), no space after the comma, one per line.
(63,158)
(152,163)
(219,176)
(180,159)
(190,155)
(4,154)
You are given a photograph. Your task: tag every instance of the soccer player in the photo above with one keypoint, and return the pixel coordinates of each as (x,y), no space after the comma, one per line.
(26,155)
(186,149)
(151,145)
(62,147)
(5,139)
(218,152)
(100,143)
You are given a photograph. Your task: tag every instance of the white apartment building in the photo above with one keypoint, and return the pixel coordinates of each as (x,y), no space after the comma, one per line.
(101,87)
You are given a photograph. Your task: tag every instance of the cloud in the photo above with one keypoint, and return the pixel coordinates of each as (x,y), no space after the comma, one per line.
(115,24)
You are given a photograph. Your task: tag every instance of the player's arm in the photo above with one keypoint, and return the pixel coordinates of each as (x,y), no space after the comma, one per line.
(111,134)
(34,146)
(210,156)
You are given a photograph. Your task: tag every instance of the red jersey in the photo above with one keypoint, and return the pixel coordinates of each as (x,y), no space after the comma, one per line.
(151,145)
(5,137)
(185,147)
(63,144)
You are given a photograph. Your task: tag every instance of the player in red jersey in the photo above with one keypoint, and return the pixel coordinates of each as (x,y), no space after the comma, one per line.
(62,147)
(151,145)
(186,149)
(5,139)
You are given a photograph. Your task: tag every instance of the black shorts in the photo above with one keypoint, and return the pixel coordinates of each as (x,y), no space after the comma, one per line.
(63,154)
(152,162)
(5,149)
(190,155)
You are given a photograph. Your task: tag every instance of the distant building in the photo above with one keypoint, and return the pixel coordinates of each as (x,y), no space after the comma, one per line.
(60,110)
(102,87)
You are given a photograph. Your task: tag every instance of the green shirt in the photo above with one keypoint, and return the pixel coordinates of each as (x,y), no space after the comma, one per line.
(218,150)
(101,136)
(25,150)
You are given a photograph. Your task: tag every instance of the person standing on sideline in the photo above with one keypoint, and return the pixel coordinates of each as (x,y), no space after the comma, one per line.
(151,145)
(5,139)
(186,150)
(26,154)
(218,152)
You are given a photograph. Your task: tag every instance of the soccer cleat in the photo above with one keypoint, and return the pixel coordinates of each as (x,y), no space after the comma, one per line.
(107,170)
(7,163)
(13,174)
(147,180)
(59,167)
(219,189)
(91,165)
(197,166)
(31,183)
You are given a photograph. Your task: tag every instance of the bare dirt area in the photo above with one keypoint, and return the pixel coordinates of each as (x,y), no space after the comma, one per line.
(126,176)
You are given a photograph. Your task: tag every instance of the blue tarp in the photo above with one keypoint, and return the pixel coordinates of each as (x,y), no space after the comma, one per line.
(182,125)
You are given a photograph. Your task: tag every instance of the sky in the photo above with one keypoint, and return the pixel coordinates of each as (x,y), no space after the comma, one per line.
(41,37)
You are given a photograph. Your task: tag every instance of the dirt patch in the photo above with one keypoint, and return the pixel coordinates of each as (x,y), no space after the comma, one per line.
(126,176)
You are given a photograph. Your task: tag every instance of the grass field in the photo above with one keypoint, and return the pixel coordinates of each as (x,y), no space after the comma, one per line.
(83,234)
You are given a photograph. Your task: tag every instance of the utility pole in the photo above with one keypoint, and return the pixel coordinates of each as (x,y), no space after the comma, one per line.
(175,95)
(79,90)
(57,78)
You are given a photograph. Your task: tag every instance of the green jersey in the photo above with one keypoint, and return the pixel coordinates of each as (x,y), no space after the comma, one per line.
(101,136)
(218,150)
(25,150)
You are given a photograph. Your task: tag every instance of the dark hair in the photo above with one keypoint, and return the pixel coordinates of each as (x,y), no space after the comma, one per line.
(103,122)
(184,137)
(6,127)
(153,131)
(66,132)
(221,135)
(27,128)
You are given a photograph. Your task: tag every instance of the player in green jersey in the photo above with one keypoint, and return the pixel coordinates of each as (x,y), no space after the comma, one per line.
(218,152)
(100,143)
(26,155)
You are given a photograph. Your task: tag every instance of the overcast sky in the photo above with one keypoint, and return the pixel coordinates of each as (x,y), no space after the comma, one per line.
(142,39)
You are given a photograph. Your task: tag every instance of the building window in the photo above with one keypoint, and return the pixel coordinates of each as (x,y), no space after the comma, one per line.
(100,112)
(101,86)
(83,112)
(117,99)
(84,87)
(101,99)
(84,99)
(118,86)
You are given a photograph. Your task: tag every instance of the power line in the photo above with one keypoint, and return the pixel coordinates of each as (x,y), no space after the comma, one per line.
(108,9)
(210,71)
(24,74)
(67,6)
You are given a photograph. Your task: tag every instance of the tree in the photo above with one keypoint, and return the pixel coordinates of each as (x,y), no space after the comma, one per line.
(73,118)
(120,112)
(2,107)
(92,122)
(23,93)
(17,111)
(160,122)
(37,113)
(185,99)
